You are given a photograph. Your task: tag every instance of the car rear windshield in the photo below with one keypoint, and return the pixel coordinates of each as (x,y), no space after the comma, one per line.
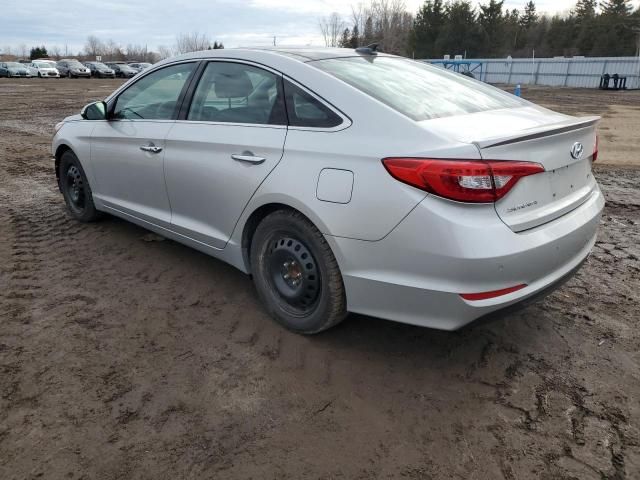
(415,89)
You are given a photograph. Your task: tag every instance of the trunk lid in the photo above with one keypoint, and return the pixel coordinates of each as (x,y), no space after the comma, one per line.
(533,134)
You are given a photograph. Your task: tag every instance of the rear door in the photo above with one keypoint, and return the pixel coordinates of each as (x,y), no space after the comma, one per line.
(226,142)
(565,150)
(127,151)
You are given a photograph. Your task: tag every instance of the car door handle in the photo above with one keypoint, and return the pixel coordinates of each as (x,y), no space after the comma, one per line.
(248,157)
(151,148)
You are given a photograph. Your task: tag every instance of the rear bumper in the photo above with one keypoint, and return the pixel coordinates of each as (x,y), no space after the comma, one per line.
(443,249)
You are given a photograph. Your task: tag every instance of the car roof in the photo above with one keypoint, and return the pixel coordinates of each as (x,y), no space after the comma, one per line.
(303,54)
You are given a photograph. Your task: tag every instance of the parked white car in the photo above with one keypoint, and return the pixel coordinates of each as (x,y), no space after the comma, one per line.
(46,68)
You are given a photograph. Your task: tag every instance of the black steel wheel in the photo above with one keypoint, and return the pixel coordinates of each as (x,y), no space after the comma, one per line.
(75,188)
(295,273)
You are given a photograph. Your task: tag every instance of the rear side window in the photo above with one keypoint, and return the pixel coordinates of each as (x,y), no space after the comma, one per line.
(306,111)
(154,97)
(232,92)
(415,89)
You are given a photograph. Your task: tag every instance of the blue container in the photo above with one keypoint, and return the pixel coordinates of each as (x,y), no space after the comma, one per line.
(517,92)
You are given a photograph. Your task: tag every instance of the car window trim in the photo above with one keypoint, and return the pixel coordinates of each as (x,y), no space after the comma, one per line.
(111,102)
(346,120)
(186,106)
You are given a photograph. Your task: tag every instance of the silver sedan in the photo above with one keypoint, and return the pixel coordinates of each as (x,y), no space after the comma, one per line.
(343,181)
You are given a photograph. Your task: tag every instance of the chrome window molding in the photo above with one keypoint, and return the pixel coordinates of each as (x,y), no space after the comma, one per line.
(346,121)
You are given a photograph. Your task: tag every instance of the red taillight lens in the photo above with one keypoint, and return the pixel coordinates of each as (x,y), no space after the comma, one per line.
(595,150)
(492,294)
(474,181)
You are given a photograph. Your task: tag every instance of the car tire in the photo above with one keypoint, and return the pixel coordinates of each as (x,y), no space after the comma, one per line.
(296,274)
(76,189)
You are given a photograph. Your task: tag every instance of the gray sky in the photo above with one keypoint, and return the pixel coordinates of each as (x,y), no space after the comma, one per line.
(234,22)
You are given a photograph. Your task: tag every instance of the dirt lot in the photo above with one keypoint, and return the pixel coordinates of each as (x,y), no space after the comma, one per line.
(122,356)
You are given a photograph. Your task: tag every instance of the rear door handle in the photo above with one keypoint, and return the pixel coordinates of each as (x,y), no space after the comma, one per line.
(248,157)
(151,148)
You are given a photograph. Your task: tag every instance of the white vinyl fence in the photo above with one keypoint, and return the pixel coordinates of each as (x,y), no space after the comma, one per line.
(560,72)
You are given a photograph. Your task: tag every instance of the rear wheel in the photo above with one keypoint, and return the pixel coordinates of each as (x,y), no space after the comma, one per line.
(296,275)
(75,189)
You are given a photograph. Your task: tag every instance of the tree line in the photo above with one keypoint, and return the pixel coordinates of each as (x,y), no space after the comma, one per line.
(457,27)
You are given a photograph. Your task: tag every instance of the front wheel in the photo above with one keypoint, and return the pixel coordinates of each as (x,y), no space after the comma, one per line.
(296,274)
(75,189)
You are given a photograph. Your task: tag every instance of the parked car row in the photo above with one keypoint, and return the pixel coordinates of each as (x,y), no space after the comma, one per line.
(71,68)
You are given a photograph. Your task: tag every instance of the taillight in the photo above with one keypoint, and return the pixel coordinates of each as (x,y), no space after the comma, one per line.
(475,181)
(595,150)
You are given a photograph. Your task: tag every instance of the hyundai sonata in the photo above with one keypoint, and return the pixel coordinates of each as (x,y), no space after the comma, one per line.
(343,181)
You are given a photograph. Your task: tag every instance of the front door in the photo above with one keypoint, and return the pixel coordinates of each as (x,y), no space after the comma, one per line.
(216,158)
(128,150)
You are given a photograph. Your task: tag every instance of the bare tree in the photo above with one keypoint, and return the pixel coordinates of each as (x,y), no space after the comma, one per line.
(331,28)
(191,42)
(22,51)
(137,52)
(383,21)
(55,52)
(93,47)
(164,52)
(113,51)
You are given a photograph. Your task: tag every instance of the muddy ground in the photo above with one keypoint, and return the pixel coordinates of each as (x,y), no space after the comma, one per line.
(122,356)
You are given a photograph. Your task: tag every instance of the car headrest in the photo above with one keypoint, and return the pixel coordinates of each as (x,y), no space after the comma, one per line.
(233,84)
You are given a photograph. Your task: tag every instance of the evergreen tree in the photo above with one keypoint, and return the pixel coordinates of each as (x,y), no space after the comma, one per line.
(615,34)
(355,37)
(38,52)
(586,25)
(512,31)
(460,34)
(559,38)
(345,40)
(492,24)
(621,8)
(530,17)
(586,9)
(426,29)
(368,32)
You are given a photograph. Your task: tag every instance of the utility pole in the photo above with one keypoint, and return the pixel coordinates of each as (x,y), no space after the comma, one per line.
(637,31)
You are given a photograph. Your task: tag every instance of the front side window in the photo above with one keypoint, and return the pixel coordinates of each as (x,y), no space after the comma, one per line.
(154,97)
(238,93)
(415,89)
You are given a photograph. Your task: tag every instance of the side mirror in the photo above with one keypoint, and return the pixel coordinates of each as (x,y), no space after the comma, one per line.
(94,111)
